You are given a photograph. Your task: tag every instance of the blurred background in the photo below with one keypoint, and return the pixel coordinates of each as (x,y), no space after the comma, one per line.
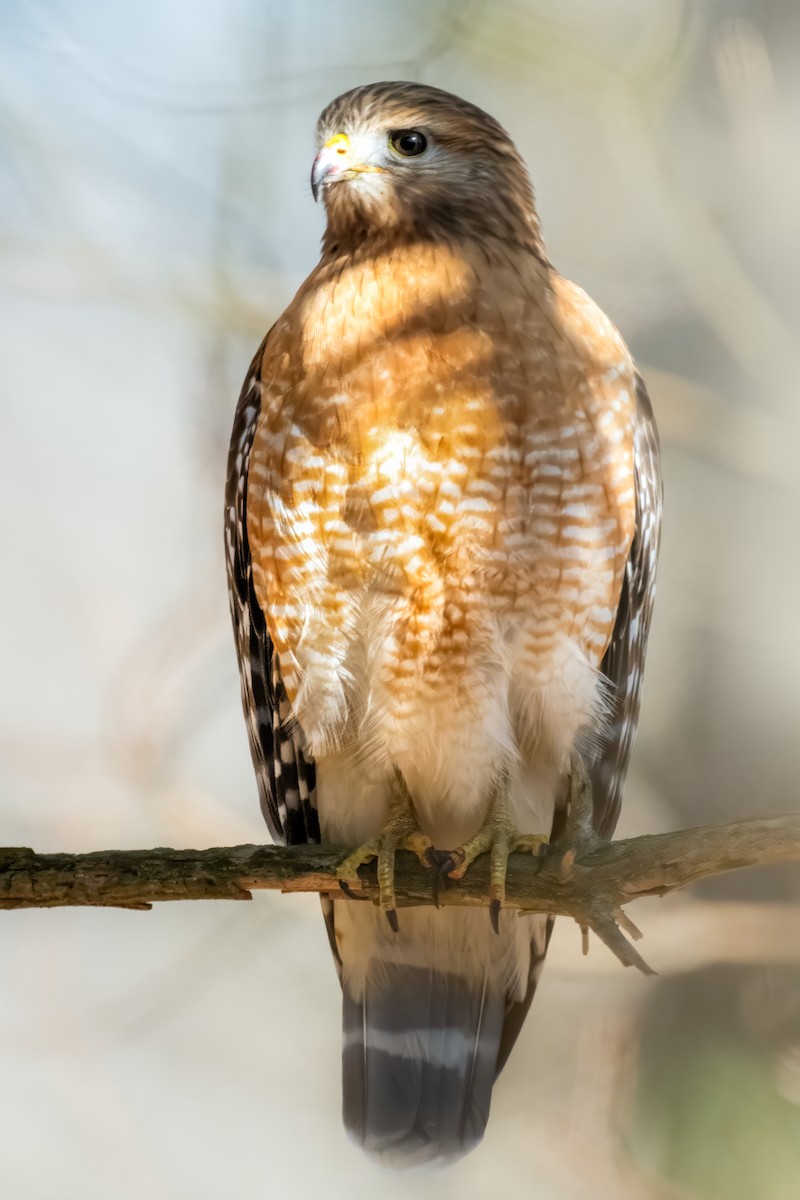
(155,217)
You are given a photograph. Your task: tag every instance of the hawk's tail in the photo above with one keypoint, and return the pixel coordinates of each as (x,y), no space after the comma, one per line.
(419,1059)
(423,1041)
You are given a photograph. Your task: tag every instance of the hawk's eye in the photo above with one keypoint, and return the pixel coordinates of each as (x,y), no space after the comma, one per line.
(408,142)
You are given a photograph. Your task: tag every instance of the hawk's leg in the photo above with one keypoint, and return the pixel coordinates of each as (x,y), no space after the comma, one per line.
(401,832)
(579,836)
(499,837)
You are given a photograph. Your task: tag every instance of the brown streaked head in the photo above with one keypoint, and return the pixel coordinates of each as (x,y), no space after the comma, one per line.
(411,160)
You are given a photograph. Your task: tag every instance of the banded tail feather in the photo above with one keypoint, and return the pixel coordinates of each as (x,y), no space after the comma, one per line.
(424,1041)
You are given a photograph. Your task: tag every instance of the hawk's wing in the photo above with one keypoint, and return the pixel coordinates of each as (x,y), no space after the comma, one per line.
(286,775)
(623,664)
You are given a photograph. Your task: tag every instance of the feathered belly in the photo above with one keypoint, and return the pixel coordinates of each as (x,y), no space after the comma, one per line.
(415,586)
(440,567)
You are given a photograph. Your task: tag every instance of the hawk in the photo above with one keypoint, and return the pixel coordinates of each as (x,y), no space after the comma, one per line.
(442,523)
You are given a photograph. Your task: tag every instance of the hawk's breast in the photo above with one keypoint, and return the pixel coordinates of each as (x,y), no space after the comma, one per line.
(444,456)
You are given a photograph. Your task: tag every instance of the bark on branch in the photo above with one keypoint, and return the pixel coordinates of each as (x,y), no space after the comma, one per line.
(592,889)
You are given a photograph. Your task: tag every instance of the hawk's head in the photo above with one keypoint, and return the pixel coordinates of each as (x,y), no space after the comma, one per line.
(411,159)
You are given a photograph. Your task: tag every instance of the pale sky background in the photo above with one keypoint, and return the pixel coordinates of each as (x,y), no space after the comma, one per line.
(155,216)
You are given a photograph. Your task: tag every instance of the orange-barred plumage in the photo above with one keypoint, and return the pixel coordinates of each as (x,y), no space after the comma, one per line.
(469,462)
(442,521)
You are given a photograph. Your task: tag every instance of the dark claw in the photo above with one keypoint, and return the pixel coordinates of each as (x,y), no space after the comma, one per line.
(348,891)
(391,917)
(442,862)
(439,884)
(494,915)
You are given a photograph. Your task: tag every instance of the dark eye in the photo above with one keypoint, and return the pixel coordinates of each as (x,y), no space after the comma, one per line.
(408,142)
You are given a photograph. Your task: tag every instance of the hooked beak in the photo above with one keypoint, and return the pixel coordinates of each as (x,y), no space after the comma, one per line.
(335,161)
(332,160)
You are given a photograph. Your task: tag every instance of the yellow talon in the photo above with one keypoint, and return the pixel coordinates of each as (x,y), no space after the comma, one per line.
(500,837)
(401,832)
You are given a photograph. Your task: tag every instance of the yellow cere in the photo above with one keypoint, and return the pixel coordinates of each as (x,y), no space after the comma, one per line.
(340,143)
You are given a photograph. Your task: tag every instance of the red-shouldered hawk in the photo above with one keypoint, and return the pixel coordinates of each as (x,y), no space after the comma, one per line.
(442,523)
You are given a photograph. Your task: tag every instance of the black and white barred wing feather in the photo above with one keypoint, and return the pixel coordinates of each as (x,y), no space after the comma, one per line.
(285,773)
(623,664)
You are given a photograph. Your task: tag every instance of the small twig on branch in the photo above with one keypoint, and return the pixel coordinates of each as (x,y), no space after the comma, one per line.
(592,888)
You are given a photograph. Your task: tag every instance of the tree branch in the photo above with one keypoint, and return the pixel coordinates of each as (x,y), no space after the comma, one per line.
(591,888)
